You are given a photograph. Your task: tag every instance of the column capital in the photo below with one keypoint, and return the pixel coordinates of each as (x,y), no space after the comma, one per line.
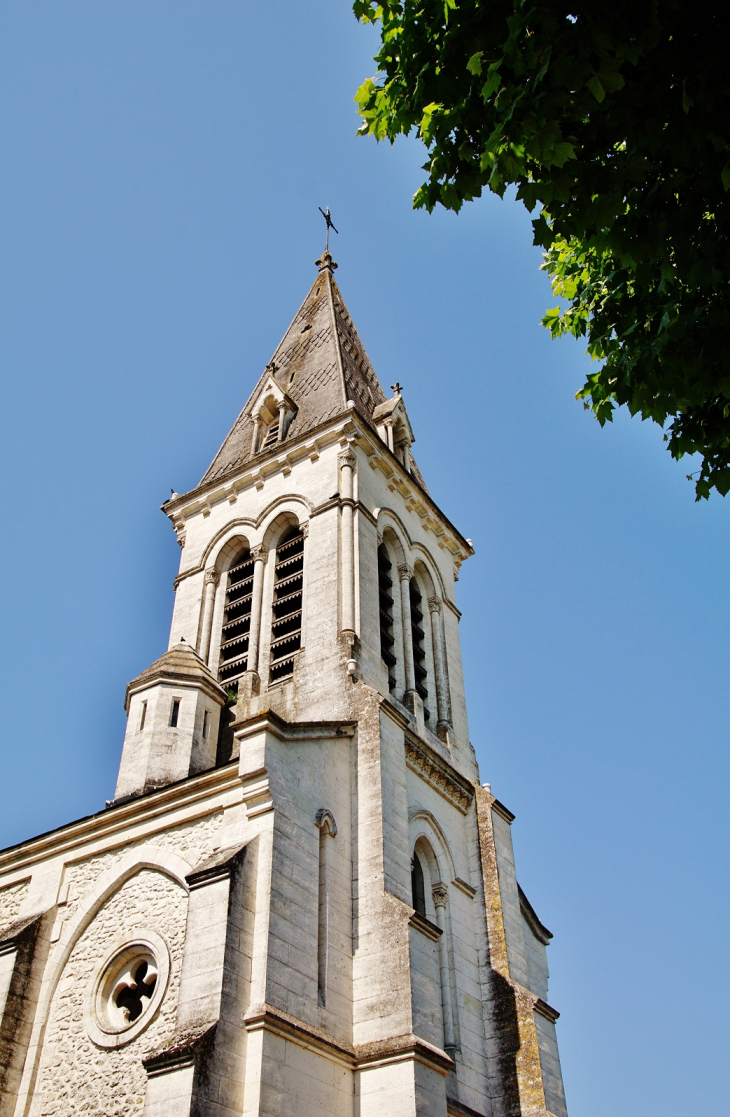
(212,577)
(435,604)
(346,459)
(440,895)
(259,553)
(405,572)
(304,528)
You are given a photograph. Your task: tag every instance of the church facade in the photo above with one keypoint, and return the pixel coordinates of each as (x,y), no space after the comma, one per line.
(301,900)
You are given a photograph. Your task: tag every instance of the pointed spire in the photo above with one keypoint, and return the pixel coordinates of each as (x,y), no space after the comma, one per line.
(322,366)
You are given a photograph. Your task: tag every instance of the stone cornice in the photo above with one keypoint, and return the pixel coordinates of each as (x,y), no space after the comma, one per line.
(426,762)
(268,720)
(195,791)
(348,424)
(502,811)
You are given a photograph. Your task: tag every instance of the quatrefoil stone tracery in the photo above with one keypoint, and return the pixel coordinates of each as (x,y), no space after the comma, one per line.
(126,989)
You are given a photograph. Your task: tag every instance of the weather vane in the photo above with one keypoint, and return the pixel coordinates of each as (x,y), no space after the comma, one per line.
(330,225)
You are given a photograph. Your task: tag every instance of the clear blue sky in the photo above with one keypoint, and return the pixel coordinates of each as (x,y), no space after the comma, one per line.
(161,168)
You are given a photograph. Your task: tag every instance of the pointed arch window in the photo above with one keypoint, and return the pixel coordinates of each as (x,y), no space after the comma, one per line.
(236,620)
(385,600)
(419,644)
(286,624)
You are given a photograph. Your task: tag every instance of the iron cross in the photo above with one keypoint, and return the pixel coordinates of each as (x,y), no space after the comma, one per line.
(330,225)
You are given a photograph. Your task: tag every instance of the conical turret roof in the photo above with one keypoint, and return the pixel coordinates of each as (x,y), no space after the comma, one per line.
(320,364)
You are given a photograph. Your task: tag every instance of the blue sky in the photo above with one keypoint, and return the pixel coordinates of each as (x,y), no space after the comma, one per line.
(162,164)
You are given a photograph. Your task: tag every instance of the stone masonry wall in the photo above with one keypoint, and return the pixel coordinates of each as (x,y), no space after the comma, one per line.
(76,1076)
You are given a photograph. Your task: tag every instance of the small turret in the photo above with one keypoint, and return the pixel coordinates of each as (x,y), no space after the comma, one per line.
(173,716)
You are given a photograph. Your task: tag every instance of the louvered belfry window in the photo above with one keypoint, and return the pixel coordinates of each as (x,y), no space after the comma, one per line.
(236,621)
(419,637)
(385,590)
(272,435)
(286,625)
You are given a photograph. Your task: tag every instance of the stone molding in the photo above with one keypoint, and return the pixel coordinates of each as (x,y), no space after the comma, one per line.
(349,424)
(425,926)
(380,1052)
(502,811)
(458,1109)
(324,818)
(423,760)
(216,867)
(183,1052)
(192,792)
(546,1010)
(532,920)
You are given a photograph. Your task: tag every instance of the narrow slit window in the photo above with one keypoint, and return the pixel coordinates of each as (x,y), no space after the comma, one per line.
(322,917)
(385,590)
(174,713)
(143,715)
(417,886)
(286,625)
(206,724)
(236,621)
(419,644)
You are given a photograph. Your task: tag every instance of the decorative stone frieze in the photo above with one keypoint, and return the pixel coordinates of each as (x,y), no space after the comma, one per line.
(421,758)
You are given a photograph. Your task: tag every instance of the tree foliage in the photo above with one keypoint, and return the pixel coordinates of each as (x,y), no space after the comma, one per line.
(613,122)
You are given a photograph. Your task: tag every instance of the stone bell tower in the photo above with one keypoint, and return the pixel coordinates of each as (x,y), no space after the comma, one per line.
(301,900)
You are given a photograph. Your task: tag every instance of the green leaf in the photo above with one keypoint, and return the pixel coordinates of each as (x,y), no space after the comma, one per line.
(474,65)
(596,88)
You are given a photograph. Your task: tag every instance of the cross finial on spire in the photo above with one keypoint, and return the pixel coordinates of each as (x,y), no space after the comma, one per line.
(397,387)
(330,225)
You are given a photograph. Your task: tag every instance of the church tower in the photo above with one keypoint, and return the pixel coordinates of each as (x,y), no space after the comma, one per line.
(301,901)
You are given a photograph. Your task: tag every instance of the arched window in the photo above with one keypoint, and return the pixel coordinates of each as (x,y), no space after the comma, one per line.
(418,888)
(236,620)
(286,625)
(419,643)
(387,640)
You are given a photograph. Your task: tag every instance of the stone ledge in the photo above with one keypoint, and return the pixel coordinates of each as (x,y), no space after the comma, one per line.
(184,1051)
(425,926)
(546,1010)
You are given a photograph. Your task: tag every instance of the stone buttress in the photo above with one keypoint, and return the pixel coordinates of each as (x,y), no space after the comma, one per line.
(301,900)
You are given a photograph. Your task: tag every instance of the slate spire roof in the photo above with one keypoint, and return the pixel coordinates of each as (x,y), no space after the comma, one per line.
(320,364)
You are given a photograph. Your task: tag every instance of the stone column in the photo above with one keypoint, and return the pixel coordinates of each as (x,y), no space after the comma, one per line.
(405,574)
(210,582)
(282,409)
(443,696)
(440,895)
(389,434)
(347,462)
(259,555)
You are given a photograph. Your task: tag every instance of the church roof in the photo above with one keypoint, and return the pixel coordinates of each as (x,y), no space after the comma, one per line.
(320,364)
